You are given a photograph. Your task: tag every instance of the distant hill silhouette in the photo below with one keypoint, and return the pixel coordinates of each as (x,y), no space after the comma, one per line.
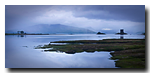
(55,29)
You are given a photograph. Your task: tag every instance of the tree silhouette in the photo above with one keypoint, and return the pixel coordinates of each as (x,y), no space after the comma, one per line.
(22,32)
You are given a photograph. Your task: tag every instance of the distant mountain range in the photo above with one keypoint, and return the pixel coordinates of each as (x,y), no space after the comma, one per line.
(63,29)
(53,29)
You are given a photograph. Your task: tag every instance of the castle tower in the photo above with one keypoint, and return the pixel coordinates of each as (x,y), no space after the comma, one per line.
(121,31)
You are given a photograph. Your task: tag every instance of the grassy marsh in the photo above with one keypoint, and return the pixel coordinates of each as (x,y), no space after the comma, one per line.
(129,52)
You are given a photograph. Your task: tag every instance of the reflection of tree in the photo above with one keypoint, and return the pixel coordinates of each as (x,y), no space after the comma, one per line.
(20,35)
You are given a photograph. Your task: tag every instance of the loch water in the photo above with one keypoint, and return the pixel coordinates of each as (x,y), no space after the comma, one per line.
(20,52)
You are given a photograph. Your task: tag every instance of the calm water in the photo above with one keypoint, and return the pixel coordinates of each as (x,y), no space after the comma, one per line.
(20,52)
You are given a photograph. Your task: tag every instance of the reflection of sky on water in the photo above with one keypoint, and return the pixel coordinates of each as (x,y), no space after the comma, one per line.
(83,60)
(16,55)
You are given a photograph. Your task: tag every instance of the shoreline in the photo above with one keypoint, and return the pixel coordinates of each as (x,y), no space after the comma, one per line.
(63,34)
(37,34)
(25,34)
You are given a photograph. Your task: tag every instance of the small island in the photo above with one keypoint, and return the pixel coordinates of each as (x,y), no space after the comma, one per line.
(143,34)
(122,32)
(100,33)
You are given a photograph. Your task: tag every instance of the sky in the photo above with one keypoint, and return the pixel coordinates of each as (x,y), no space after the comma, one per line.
(93,17)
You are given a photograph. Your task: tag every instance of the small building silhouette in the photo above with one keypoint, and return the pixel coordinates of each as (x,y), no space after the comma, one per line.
(121,32)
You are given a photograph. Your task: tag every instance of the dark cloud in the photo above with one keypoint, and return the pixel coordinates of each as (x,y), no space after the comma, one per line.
(113,12)
(21,15)
(96,17)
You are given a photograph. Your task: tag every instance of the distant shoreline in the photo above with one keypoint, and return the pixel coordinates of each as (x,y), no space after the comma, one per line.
(25,34)
(59,34)
(35,34)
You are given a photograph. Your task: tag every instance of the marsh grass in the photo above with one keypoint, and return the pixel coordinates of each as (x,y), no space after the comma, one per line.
(131,58)
(129,52)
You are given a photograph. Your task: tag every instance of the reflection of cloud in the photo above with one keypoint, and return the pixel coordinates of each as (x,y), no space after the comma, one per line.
(82,60)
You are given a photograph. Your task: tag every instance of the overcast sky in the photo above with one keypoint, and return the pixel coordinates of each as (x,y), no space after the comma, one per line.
(94,17)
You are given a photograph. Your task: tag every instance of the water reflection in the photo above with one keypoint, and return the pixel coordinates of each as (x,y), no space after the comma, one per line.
(21,35)
(121,37)
(82,60)
(68,52)
(17,56)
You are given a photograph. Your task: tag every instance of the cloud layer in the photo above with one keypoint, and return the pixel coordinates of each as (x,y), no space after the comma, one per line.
(96,17)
